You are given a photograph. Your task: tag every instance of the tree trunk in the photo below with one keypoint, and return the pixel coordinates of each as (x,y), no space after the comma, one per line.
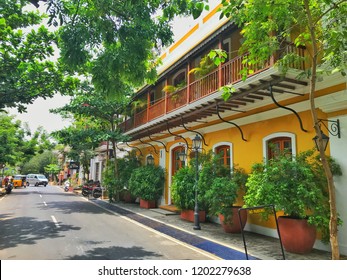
(116,175)
(335,254)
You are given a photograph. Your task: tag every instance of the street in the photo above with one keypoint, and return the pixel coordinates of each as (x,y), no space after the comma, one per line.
(46,223)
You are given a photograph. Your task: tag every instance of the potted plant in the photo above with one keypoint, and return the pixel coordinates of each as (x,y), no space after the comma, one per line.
(147,182)
(174,91)
(297,187)
(183,193)
(223,188)
(126,166)
(207,64)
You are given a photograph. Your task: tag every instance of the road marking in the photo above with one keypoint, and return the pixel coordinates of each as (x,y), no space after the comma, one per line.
(45,203)
(55,222)
(40,195)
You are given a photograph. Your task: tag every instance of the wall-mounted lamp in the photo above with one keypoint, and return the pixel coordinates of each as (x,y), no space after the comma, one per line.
(150,160)
(325,140)
(182,156)
(333,129)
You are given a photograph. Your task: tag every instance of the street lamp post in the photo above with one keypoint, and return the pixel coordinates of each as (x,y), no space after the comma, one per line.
(196,146)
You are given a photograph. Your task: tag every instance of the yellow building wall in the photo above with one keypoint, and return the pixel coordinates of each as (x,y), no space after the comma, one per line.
(245,154)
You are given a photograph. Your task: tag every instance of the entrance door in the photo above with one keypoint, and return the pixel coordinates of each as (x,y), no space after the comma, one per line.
(176,164)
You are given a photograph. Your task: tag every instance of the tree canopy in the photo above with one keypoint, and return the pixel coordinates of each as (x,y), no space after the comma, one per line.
(27,66)
(268,25)
(18,144)
(115,42)
(10,136)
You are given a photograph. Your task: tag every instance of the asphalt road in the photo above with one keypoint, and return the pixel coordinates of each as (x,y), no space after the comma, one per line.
(46,223)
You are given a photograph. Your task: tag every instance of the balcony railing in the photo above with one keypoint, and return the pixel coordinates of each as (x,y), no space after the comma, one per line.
(228,73)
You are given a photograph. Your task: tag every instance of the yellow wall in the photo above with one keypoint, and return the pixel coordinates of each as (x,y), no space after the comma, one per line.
(245,154)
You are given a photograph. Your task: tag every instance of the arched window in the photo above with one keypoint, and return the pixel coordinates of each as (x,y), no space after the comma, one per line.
(224,153)
(152,97)
(277,143)
(180,78)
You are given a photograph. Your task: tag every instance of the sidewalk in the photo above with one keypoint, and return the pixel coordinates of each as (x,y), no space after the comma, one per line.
(258,246)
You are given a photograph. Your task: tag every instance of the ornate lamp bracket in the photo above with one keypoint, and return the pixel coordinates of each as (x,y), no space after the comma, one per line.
(333,126)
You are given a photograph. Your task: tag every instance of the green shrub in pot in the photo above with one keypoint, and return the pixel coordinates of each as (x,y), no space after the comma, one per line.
(295,185)
(147,182)
(183,188)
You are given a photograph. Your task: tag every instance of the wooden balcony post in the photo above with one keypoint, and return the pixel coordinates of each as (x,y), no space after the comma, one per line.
(148,104)
(188,83)
(220,82)
(166,99)
(272,60)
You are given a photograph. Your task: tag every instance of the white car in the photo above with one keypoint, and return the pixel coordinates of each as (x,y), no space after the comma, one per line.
(36,180)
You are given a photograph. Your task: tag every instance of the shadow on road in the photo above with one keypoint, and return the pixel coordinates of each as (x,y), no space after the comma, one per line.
(69,207)
(17,231)
(116,253)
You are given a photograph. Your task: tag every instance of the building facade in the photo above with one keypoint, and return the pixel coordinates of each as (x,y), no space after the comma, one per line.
(266,109)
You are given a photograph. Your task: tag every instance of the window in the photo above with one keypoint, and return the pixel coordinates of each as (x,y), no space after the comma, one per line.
(279,142)
(226,46)
(180,78)
(224,153)
(152,97)
(224,150)
(278,145)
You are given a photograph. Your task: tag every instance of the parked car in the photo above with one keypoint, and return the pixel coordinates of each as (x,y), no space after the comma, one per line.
(19,181)
(36,180)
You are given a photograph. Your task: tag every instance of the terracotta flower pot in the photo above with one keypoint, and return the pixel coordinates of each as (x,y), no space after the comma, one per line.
(127,197)
(296,234)
(147,204)
(188,215)
(234,226)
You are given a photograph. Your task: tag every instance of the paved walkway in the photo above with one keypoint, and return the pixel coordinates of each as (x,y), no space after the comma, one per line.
(258,246)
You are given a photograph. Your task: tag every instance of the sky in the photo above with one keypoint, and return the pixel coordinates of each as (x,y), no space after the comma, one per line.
(38,114)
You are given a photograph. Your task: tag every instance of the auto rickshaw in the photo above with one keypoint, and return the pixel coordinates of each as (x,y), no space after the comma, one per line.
(19,181)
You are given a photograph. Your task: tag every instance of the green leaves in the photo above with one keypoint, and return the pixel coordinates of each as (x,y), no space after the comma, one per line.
(197,8)
(295,185)
(10,140)
(147,182)
(267,25)
(227,91)
(218,56)
(27,70)
(183,188)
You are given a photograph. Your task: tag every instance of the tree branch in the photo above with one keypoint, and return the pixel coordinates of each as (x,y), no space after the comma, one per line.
(335,6)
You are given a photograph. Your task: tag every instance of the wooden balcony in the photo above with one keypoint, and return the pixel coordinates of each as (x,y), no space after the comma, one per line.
(226,74)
